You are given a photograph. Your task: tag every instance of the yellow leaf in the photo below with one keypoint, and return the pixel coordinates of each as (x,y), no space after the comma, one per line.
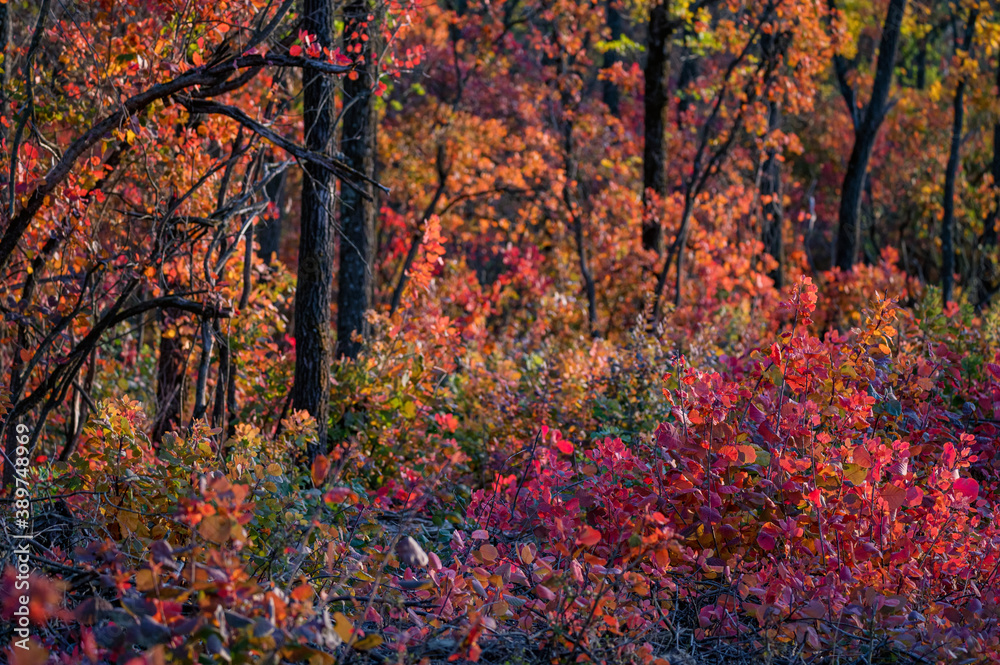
(34,654)
(128,521)
(145,580)
(855,473)
(344,627)
(299,653)
(368,642)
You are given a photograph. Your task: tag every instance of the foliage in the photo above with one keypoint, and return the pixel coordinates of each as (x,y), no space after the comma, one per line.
(540,455)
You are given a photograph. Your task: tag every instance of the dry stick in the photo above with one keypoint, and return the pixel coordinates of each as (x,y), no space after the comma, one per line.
(524,476)
(83,391)
(442,172)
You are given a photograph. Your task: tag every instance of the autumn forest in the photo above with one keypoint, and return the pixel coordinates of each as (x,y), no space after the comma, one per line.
(519,332)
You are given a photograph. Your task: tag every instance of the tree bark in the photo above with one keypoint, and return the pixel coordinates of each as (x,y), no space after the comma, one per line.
(990,226)
(654,176)
(866,130)
(357,213)
(311,389)
(4,50)
(269,228)
(988,241)
(169,377)
(951,174)
(609,91)
(572,173)
(770,191)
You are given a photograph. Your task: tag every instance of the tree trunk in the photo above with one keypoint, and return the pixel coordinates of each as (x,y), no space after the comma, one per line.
(990,226)
(204,366)
(987,268)
(609,91)
(311,389)
(357,213)
(169,377)
(654,175)
(269,228)
(950,175)
(572,173)
(687,76)
(770,192)
(4,44)
(948,222)
(849,228)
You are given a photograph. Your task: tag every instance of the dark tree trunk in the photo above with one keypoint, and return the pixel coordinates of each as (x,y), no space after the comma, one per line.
(654,175)
(770,191)
(921,79)
(990,227)
(572,174)
(948,221)
(169,377)
(866,130)
(951,174)
(609,91)
(311,389)
(222,382)
(4,43)
(689,72)
(17,381)
(987,269)
(357,213)
(204,366)
(269,229)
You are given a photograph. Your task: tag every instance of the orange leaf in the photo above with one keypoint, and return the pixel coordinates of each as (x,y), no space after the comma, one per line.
(320,469)
(588,536)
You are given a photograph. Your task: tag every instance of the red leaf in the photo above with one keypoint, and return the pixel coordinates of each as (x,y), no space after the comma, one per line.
(295,51)
(544,593)
(564,446)
(894,496)
(967,487)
